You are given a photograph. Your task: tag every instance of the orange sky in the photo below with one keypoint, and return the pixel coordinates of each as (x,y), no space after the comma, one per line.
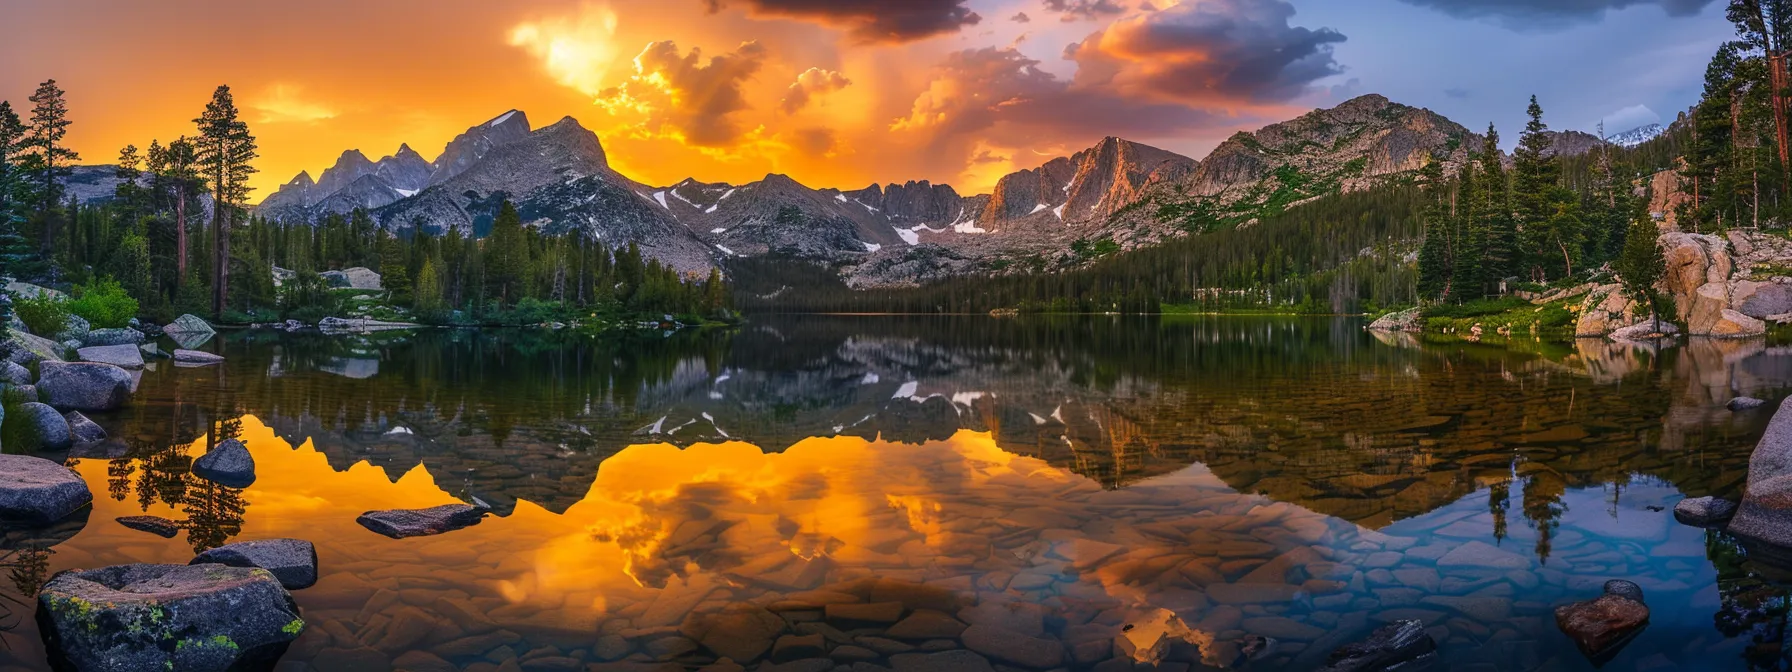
(315,78)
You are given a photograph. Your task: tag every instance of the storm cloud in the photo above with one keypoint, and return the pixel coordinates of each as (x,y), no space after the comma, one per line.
(1551,14)
(1208,52)
(875,21)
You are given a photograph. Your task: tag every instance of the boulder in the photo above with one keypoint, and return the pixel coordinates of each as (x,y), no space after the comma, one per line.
(76,329)
(26,290)
(1766,512)
(121,336)
(188,324)
(28,349)
(83,386)
(12,373)
(156,525)
(83,430)
(193,618)
(1704,511)
(1645,330)
(196,358)
(125,355)
(228,464)
(353,278)
(1761,299)
(292,561)
(1731,324)
(35,491)
(1405,320)
(401,523)
(1601,627)
(1692,261)
(34,427)
(1745,404)
(1625,589)
(1397,645)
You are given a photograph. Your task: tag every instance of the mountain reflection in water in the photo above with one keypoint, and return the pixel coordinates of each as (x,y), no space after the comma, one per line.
(1295,479)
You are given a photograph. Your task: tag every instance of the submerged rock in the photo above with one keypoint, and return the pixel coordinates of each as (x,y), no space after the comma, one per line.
(196,357)
(35,428)
(156,525)
(83,430)
(83,386)
(1601,627)
(401,523)
(1744,404)
(228,464)
(292,561)
(193,618)
(34,490)
(1704,511)
(1401,645)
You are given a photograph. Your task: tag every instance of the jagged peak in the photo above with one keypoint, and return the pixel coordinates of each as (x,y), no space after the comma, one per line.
(512,116)
(347,153)
(780,179)
(303,179)
(404,148)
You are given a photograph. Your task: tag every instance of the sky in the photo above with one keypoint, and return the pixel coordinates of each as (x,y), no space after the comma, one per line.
(837,93)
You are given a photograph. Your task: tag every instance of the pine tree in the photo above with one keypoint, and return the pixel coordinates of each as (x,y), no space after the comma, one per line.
(428,301)
(49,125)
(1641,265)
(223,150)
(506,257)
(395,272)
(18,259)
(1435,263)
(1499,233)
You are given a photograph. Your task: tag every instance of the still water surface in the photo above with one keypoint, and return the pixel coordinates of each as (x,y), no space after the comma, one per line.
(676,499)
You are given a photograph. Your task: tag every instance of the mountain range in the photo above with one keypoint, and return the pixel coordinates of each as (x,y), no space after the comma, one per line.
(1120,193)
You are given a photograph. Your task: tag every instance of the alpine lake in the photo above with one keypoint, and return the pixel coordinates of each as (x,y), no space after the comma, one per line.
(951,493)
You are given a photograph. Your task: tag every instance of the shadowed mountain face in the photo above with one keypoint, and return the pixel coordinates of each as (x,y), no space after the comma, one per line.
(893,234)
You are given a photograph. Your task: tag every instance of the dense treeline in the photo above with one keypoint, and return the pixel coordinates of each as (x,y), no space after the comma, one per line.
(1333,255)
(1487,228)
(1454,234)
(1736,163)
(177,237)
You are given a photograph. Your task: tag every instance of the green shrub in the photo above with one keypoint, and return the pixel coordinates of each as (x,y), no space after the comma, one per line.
(44,315)
(1477,308)
(104,304)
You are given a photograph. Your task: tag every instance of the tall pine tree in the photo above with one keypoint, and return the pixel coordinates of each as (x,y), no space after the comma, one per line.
(223,150)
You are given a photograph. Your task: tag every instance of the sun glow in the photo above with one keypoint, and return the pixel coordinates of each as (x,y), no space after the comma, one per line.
(577,50)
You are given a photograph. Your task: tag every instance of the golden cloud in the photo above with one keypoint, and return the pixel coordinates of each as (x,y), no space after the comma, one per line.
(576,50)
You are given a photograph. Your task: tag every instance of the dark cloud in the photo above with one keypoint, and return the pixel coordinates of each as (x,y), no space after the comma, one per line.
(1075,10)
(869,20)
(696,99)
(1001,95)
(1020,18)
(1458,93)
(1205,52)
(813,82)
(1551,14)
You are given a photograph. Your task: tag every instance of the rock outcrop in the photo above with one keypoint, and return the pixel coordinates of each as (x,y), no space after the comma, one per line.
(1765,515)
(401,523)
(83,386)
(292,561)
(198,618)
(36,491)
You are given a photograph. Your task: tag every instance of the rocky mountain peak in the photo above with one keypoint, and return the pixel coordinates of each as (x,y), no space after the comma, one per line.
(469,147)
(302,181)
